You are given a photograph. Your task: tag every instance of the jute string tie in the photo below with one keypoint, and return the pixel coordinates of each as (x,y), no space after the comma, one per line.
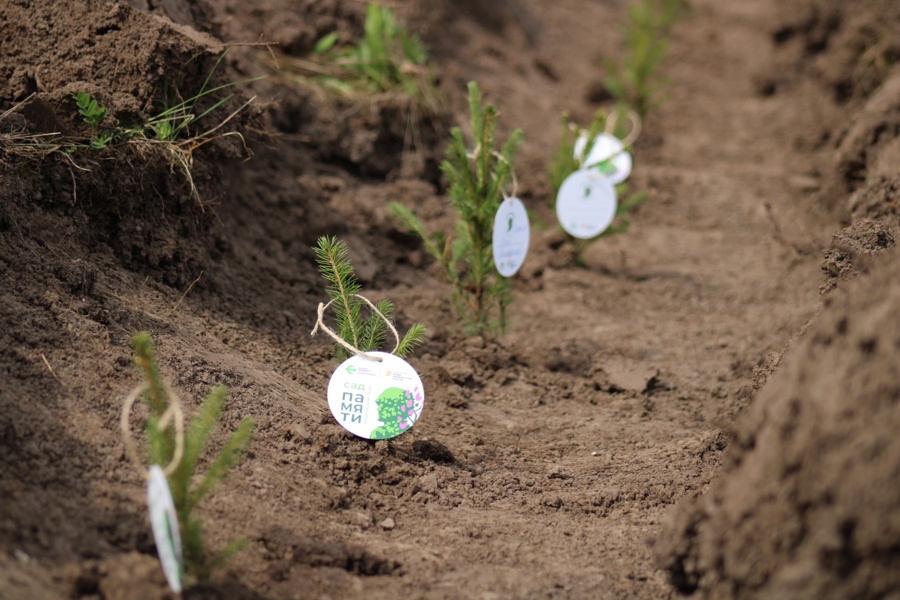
(512,172)
(320,324)
(613,120)
(173,414)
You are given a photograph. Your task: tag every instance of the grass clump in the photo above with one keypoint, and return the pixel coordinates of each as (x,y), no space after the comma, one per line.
(636,81)
(189,487)
(333,258)
(174,129)
(477,179)
(387,59)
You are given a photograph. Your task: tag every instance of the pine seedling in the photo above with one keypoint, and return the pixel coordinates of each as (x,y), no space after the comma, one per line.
(636,82)
(564,162)
(333,258)
(477,179)
(186,492)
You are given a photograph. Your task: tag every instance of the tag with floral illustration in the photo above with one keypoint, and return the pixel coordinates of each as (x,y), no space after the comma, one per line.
(376,399)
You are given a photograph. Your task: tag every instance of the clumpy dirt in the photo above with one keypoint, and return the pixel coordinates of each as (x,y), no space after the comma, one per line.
(806,507)
(675,418)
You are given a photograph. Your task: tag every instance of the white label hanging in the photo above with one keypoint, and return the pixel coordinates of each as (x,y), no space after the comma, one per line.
(606,156)
(376,400)
(512,234)
(586,204)
(164,522)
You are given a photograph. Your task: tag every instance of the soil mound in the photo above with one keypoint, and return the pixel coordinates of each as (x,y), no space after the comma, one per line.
(807,506)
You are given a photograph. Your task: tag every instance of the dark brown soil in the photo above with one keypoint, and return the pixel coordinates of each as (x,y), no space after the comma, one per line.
(581,454)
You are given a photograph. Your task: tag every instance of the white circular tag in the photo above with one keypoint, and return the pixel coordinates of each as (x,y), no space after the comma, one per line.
(512,233)
(376,400)
(164,522)
(586,204)
(617,168)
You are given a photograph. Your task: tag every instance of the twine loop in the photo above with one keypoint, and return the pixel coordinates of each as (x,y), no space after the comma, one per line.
(320,324)
(512,172)
(173,414)
(634,120)
(627,141)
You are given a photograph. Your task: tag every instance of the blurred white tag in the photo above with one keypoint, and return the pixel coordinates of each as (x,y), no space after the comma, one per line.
(164,522)
(606,156)
(512,234)
(586,204)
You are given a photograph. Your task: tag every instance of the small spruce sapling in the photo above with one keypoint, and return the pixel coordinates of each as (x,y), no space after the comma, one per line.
(564,162)
(477,180)
(333,258)
(186,493)
(636,82)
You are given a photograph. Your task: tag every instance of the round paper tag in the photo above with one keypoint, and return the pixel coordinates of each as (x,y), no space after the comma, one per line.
(511,236)
(617,168)
(586,204)
(376,400)
(164,522)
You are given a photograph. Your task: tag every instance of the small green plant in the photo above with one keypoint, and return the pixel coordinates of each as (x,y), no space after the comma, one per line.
(178,115)
(636,82)
(333,258)
(172,128)
(477,180)
(564,162)
(93,114)
(387,58)
(186,492)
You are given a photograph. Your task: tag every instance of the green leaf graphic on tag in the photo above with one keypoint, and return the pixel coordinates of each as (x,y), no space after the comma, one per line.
(607,167)
(398,409)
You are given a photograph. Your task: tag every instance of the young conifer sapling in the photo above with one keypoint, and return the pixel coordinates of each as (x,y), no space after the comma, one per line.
(188,487)
(477,179)
(365,334)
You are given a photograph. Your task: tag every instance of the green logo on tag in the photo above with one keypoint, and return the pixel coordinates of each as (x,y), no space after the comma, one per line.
(607,167)
(351,369)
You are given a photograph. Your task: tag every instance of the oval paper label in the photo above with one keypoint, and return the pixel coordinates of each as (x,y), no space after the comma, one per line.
(376,400)
(606,157)
(512,233)
(586,204)
(164,522)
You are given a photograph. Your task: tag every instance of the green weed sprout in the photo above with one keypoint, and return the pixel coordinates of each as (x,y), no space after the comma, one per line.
(387,59)
(477,179)
(636,82)
(172,127)
(333,258)
(564,162)
(174,120)
(186,493)
(93,114)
